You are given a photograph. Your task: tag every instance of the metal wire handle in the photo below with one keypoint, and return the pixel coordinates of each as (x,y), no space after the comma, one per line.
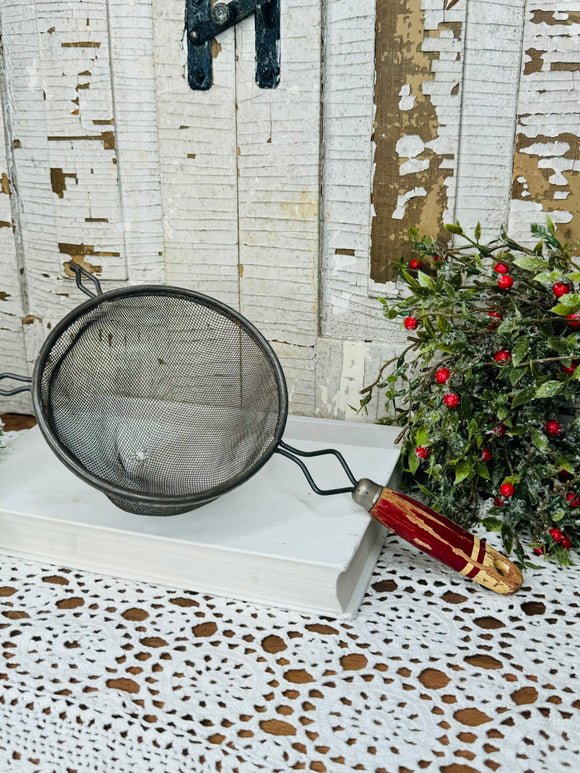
(77,269)
(289,452)
(17,390)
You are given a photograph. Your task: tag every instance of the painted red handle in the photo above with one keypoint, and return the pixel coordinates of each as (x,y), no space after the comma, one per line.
(446,541)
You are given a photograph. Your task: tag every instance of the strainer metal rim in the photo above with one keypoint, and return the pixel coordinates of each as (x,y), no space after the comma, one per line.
(74,465)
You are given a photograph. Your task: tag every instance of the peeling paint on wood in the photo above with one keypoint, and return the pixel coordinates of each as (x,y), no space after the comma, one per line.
(414,158)
(546,163)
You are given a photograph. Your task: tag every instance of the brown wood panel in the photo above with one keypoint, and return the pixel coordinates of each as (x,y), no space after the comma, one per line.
(406,122)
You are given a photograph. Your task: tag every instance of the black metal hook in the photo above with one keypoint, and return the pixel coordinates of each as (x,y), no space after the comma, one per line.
(289,452)
(77,269)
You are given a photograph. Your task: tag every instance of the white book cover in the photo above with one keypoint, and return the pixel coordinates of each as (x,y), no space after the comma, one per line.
(271,540)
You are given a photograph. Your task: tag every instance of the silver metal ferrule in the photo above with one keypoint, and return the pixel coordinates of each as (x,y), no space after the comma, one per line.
(366,493)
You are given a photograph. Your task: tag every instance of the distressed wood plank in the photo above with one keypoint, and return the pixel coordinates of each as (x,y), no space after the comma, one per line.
(346,309)
(12,348)
(278,137)
(419,52)
(135,109)
(546,168)
(279,147)
(198,165)
(490,87)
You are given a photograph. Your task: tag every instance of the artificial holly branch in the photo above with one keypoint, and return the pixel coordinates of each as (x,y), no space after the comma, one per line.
(487,392)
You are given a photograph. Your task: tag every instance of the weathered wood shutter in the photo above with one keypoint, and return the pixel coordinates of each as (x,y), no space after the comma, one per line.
(288,204)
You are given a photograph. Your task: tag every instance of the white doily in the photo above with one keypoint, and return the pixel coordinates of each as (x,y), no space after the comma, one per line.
(435,673)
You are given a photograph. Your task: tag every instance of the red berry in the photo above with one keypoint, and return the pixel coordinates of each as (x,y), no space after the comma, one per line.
(498,501)
(574,320)
(452,400)
(411,323)
(485,455)
(555,534)
(566,542)
(564,474)
(414,264)
(573,499)
(553,428)
(442,375)
(501,268)
(497,316)
(569,369)
(422,452)
(560,288)
(539,551)
(437,258)
(507,490)
(502,356)
(499,430)
(505,282)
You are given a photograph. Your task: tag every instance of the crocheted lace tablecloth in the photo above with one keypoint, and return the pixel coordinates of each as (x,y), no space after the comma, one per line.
(434,674)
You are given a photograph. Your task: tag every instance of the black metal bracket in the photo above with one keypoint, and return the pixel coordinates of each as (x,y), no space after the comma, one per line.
(203,21)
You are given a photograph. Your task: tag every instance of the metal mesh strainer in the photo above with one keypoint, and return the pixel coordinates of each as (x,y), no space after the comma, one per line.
(161,397)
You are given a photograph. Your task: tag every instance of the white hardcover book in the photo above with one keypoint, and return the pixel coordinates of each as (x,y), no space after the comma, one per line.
(271,540)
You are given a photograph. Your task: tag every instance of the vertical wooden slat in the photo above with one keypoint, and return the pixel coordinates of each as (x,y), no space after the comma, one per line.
(278,138)
(419,51)
(130,25)
(490,87)
(546,169)
(12,350)
(198,164)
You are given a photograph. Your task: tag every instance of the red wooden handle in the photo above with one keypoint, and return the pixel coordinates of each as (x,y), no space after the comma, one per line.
(443,539)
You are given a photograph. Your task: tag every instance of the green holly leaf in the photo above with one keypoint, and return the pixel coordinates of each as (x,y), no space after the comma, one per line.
(573,276)
(477,233)
(413,461)
(515,375)
(482,471)
(453,228)
(524,396)
(549,389)
(538,439)
(491,523)
(422,436)
(507,538)
(568,304)
(425,281)
(462,470)
(546,277)
(531,263)
(520,350)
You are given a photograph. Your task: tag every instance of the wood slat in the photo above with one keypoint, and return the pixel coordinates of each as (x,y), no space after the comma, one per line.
(546,166)
(12,311)
(278,138)
(198,163)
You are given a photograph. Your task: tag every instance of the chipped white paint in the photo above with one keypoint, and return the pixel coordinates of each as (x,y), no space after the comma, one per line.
(490,87)
(407,101)
(548,118)
(134,105)
(402,200)
(198,162)
(12,347)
